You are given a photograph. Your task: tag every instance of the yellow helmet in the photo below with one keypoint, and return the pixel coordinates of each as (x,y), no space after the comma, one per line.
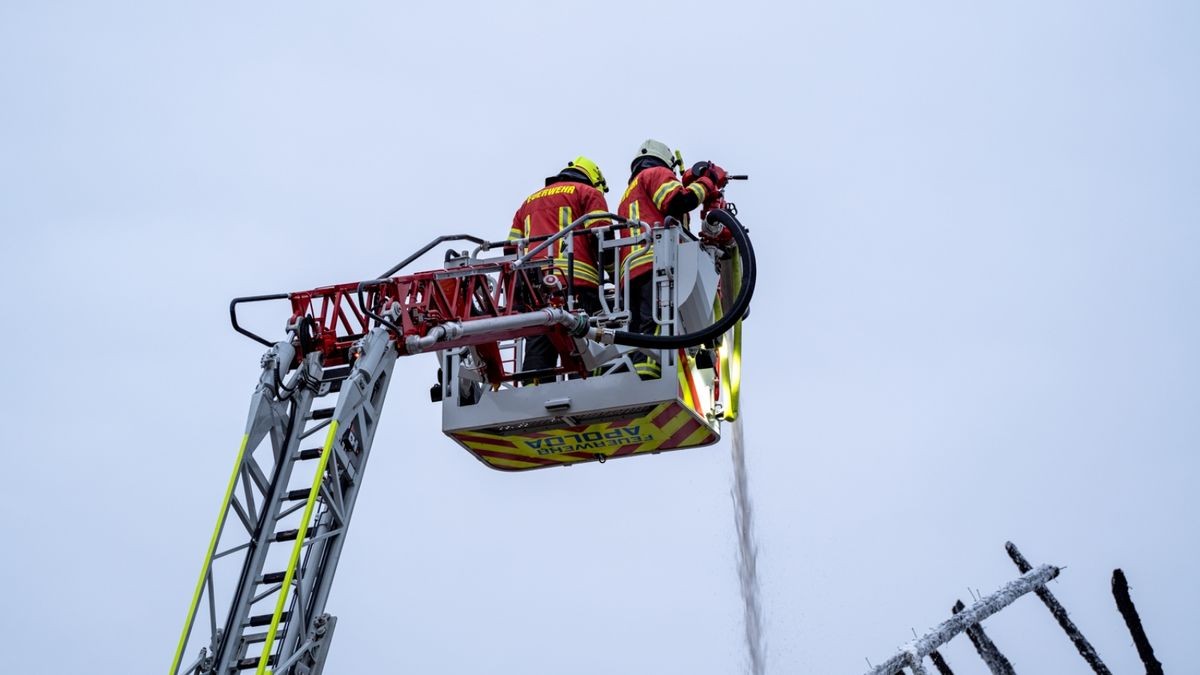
(589,169)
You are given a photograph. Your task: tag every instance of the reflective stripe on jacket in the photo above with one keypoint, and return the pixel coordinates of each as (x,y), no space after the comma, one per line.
(647,199)
(552,208)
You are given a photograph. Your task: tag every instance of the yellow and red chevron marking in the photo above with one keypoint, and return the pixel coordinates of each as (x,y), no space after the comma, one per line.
(669,426)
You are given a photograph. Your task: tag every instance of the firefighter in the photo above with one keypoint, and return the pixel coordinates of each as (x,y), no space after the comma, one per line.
(575,191)
(655,191)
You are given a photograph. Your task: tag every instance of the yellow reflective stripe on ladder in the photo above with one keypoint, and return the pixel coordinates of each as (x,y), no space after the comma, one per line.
(295,559)
(212,548)
(731,354)
(726,382)
(735,373)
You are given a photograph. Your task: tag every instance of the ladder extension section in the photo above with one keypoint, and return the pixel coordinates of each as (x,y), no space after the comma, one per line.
(285,514)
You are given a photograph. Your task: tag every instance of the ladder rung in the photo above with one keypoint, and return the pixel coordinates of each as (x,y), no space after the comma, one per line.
(333,378)
(335,373)
(252,662)
(273,577)
(254,638)
(296,495)
(311,453)
(286,535)
(321,414)
(533,374)
(265,619)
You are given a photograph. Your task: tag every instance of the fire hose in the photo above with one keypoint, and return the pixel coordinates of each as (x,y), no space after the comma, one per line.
(739,308)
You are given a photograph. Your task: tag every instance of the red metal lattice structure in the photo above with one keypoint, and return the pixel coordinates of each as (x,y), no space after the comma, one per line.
(330,319)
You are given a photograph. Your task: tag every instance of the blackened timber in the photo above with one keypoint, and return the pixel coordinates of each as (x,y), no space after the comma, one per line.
(996,662)
(943,668)
(968,617)
(1086,650)
(940,663)
(1120,589)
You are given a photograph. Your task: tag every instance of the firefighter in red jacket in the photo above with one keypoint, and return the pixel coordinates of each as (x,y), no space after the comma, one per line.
(655,191)
(575,191)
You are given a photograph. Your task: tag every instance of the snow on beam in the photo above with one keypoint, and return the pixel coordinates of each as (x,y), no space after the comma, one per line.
(940,663)
(996,662)
(910,657)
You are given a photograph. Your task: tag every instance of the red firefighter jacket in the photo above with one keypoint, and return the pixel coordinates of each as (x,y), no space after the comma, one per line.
(646,199)
(552,208)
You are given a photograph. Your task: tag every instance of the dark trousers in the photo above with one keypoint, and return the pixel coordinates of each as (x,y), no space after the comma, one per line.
(641,320)
(540,353)
(641,301)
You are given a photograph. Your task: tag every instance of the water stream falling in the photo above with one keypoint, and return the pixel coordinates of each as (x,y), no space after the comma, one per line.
(743,515)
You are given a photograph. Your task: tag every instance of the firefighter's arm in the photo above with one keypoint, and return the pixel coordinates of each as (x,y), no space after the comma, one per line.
(714,233)
(709,177)
(517,231)
(675,198)
(594,202)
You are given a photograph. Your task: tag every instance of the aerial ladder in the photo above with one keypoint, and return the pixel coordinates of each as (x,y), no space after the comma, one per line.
(259,604)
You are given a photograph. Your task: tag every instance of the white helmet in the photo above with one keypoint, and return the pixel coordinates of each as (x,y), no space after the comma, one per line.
(657,149)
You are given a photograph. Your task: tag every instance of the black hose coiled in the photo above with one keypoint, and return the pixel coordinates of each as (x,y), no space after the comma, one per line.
(741,303)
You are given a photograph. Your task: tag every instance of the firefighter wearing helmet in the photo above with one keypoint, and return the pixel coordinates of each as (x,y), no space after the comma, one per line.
(655,191)
(575,191)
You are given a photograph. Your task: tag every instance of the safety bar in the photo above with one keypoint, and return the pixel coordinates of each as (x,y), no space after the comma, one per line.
(428,247)
(544,237)
(252,298)
(568,229)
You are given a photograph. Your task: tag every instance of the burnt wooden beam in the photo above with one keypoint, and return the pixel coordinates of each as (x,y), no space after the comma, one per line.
(1086,650)
(996,662)
(1120,589)
(940,663)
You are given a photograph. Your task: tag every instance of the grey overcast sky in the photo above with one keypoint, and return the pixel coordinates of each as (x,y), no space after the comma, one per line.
(977,319)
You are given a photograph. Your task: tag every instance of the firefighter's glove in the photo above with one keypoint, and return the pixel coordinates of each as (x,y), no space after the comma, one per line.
(714,173)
